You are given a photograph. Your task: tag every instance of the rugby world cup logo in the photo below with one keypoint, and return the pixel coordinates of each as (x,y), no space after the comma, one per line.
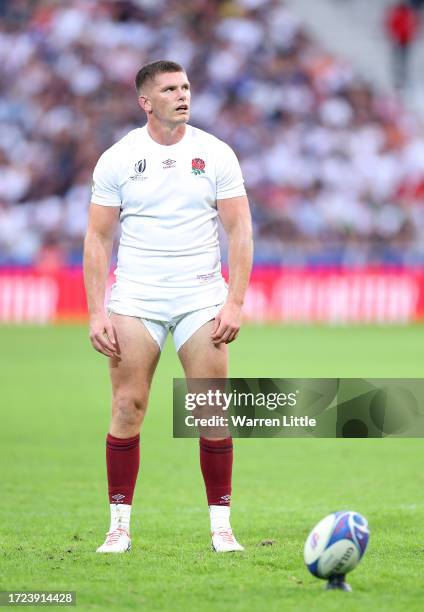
(140,166)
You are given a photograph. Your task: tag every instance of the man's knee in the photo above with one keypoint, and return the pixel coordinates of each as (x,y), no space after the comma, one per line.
(128,408)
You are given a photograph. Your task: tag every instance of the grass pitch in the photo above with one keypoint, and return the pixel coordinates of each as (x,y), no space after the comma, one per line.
(54,510)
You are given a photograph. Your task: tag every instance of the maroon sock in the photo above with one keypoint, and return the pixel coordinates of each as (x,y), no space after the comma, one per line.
(216,462)
(122,461)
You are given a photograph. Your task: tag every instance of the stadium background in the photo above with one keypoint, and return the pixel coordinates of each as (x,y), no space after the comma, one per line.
(334,165)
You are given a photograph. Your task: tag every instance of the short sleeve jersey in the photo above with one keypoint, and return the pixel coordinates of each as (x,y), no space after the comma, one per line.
(168,206)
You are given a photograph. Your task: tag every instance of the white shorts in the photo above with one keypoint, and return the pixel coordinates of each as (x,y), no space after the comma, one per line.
(182,327)
(163,303)
(180,311)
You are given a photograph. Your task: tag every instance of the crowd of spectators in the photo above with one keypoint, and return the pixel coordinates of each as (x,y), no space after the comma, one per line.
(334,170)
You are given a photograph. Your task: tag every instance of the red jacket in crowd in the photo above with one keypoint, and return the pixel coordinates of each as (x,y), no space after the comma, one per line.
(402,24)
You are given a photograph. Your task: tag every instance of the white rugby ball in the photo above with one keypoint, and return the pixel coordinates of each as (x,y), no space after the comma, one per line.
(336,544)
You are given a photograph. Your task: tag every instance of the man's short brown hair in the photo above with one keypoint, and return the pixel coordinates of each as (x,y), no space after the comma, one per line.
(151,70)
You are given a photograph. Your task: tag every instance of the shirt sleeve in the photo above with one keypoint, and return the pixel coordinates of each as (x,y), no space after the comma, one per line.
(229,179)
(105,189)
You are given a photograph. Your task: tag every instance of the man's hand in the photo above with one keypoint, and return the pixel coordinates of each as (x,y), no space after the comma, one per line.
(227,323)
(103,335)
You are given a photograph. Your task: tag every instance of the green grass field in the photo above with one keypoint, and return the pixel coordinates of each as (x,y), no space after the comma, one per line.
(54,509)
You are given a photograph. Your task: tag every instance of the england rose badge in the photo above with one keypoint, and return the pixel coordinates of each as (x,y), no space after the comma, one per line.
(197,166)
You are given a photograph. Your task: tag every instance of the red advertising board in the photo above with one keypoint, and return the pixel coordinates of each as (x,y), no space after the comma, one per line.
(336,296)
(275,294)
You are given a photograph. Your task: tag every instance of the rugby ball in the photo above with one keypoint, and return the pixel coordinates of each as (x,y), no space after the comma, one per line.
(336,544)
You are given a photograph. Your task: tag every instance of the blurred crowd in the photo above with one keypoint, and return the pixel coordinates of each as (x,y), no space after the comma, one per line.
(334,170)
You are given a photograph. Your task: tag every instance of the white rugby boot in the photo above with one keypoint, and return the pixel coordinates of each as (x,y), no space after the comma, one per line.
(223,540)
(117,541)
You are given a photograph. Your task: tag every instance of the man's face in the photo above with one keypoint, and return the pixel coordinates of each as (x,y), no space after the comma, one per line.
(167,98)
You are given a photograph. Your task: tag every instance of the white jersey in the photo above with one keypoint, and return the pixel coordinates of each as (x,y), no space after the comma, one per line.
(169,239)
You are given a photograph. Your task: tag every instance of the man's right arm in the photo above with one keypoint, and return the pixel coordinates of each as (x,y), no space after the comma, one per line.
(98,244)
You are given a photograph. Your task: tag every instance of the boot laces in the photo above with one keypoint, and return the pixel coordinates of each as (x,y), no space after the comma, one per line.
(113,536)
(226,535)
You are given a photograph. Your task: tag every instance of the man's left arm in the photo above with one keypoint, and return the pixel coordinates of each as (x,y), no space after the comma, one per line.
(236,220)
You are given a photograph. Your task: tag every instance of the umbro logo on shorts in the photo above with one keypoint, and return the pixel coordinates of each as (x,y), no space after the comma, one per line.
(168,163)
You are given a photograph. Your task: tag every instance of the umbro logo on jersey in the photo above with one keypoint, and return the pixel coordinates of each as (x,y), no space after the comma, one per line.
(168,163)
(139,168)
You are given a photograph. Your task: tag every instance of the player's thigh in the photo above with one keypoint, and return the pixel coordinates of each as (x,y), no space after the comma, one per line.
(201,358)
(132,370)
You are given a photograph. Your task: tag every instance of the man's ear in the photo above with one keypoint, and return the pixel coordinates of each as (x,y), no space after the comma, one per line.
(145,104)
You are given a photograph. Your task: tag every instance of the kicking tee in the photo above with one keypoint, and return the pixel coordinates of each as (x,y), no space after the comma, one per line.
(168,249)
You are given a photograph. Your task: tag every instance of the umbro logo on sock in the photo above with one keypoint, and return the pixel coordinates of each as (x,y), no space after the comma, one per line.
(225,498)
(118,498)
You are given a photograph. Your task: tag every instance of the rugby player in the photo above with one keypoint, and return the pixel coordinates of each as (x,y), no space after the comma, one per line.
(166,184)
